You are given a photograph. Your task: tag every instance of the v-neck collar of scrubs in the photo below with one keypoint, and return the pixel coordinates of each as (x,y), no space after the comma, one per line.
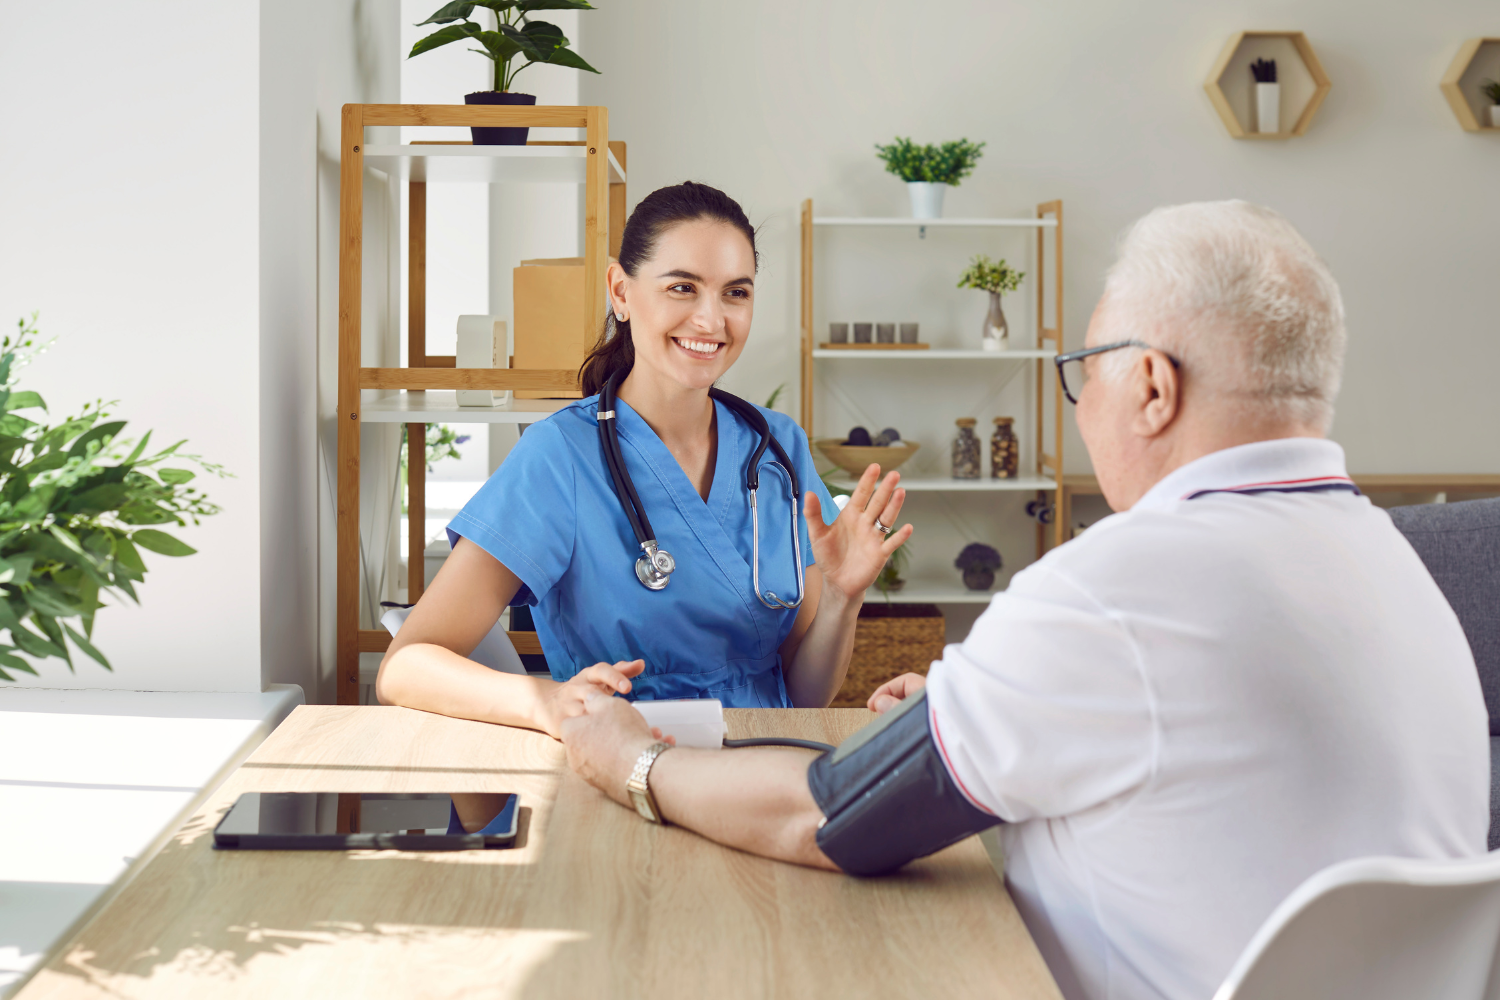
(727,460)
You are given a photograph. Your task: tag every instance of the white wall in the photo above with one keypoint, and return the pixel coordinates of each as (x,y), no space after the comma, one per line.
(1100,104)
(128,186)
(180,241)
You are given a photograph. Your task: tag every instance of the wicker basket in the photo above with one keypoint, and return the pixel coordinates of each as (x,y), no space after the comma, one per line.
(890,639)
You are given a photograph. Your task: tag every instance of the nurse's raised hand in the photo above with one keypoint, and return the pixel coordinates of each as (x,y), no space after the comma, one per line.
(565,700)
(852,550)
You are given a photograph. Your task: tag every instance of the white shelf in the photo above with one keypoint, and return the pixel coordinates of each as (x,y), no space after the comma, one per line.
(441,406)
(487,164)
(834,220)
(947,484)
(938,354)
(932,592)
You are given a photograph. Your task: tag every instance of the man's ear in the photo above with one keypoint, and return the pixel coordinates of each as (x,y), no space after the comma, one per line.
(1159,393)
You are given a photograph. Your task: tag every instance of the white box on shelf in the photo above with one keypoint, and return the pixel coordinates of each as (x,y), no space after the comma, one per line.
(481,344)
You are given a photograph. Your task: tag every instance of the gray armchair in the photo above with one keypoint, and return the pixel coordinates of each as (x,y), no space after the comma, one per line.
(1460,543)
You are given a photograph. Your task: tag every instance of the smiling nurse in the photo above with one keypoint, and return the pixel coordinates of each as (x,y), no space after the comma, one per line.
(550,529)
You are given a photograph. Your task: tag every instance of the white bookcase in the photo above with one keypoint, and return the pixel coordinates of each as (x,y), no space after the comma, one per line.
(839,372)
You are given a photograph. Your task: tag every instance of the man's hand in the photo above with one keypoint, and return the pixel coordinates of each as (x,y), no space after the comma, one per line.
(565,700)
(851,552)
(894,692)
(604,739)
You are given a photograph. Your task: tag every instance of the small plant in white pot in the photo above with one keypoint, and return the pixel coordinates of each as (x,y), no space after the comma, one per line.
(1491,89)
(929,170)
(1267,96)
(997,278)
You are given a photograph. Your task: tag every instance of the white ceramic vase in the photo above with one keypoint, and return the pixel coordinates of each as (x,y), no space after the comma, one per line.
(1268,107)
(926,199)
(1495,116)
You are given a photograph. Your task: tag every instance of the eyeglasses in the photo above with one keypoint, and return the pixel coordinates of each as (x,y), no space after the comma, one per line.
(1063,360)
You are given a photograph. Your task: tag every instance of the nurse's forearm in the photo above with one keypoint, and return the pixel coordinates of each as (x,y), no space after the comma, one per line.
(431,678)
(817,669)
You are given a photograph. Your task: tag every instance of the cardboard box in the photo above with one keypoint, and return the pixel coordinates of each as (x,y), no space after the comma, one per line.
(549,334)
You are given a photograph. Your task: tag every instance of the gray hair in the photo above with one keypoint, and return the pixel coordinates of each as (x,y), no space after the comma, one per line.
(1236,294)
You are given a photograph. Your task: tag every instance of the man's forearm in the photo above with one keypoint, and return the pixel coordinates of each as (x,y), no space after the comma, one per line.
(753,800)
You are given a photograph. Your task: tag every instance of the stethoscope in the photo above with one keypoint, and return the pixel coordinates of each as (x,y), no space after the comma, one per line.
(655,565)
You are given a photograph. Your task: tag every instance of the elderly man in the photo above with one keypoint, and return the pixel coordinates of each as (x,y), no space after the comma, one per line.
(1242,677)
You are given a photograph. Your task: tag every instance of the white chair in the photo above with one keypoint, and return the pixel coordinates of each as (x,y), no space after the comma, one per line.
(494,650)
(1379,929)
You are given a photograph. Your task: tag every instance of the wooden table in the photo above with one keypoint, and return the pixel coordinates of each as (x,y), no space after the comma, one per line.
(594,903)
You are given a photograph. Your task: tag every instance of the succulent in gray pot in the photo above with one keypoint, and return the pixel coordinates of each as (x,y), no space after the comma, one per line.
(978,563)
(515,34)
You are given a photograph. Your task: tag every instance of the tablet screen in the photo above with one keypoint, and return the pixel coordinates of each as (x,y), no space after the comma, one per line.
(363,820)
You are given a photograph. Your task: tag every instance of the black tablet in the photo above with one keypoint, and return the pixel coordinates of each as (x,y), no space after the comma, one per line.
(362,821)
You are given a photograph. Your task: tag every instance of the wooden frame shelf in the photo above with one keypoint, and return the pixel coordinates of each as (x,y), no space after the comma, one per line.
(1458,81)
(1046,478)
(1277,44)
(425,388)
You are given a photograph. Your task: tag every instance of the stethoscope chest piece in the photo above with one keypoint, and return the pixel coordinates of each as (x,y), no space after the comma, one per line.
(655,566)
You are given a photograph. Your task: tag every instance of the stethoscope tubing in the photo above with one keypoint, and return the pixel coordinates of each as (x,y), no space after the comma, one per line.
(635,511)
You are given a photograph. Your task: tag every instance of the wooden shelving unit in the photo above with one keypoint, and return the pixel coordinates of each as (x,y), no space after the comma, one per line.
(424,390)
(1235,59)
(1045,479)
(1458,83)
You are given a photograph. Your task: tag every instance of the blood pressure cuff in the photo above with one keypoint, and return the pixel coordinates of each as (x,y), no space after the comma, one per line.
(887,797)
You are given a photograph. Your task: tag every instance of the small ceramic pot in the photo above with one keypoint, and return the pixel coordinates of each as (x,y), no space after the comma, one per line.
(885,333)
(1495,116)
(979,578)
(926,199)
(838,333)
(1268,108)
(908,333)
(497,136)
(862,332)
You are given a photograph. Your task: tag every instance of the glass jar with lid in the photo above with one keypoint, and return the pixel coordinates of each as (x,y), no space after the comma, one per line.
(1005,450)
(966,450)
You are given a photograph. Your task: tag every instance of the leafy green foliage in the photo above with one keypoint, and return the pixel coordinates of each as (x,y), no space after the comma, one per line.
(442,442)
(948,163)
(990,275)
(515,34)
(775,395)
(1491,89)
(73,506)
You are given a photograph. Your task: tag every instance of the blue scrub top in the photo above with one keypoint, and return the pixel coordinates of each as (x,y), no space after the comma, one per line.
(550,514)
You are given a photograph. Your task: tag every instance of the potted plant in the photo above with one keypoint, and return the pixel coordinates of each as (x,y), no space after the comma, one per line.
(978,563)
(515,35)
(929,170)
(75,511)
(997,278)
(1267,96)
(1491,89)
(891,580)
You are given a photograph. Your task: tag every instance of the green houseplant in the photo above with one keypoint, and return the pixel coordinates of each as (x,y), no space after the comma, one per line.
(1491,90)
(997,278)
(76,508)
(929,170)
(517,43)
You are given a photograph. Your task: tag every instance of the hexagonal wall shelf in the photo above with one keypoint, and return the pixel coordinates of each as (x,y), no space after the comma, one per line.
(1478,60)
(1304,84)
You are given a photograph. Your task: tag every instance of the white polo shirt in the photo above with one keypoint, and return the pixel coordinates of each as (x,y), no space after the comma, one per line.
(1198,703)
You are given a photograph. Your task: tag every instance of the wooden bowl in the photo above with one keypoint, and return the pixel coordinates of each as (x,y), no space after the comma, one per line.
(853,459)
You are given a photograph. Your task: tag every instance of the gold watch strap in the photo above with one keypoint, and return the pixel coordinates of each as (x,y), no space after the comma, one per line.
(639,783)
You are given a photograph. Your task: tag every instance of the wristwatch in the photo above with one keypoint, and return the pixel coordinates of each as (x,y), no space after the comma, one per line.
(639,785)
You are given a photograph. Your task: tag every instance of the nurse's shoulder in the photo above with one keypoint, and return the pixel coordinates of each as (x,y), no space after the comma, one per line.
(787,431)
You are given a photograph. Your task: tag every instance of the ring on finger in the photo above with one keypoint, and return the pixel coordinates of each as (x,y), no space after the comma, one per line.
(881,528)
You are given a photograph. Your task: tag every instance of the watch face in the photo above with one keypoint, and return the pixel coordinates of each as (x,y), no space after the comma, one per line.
(642,805)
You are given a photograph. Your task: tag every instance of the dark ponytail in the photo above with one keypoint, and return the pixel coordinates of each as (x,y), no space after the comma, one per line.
(658,212)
